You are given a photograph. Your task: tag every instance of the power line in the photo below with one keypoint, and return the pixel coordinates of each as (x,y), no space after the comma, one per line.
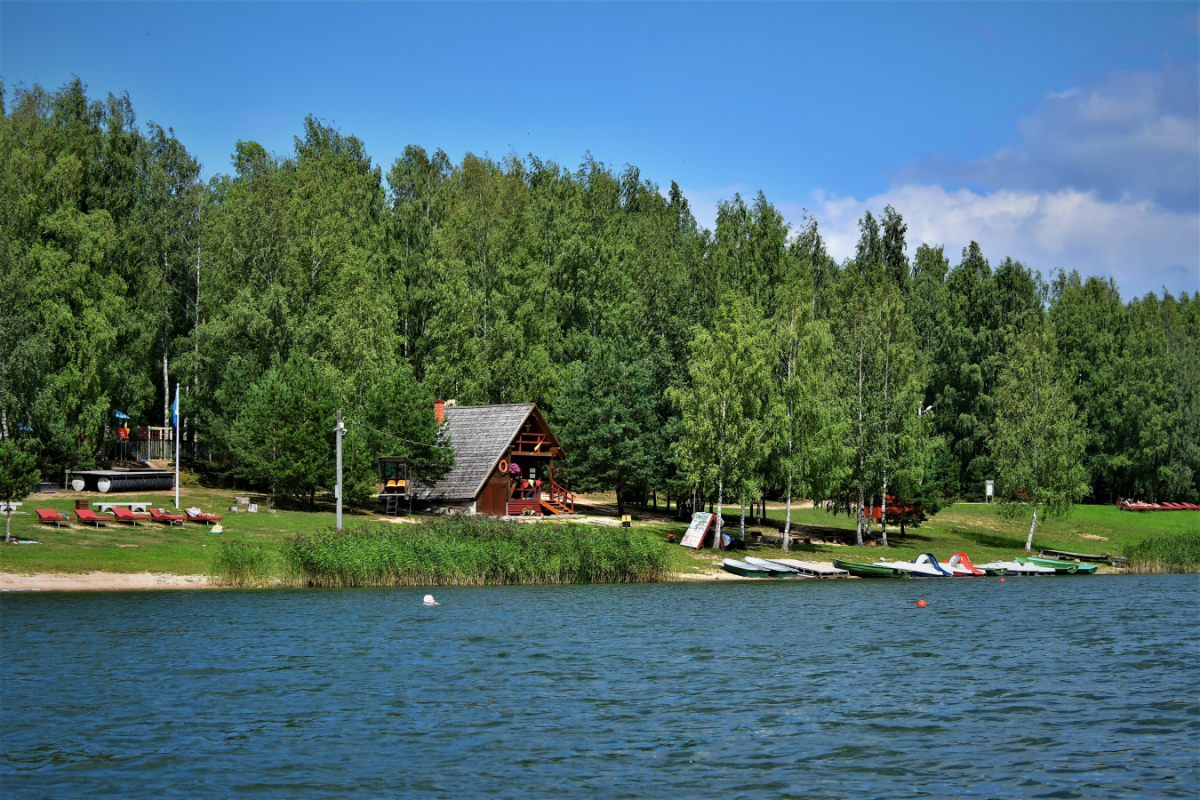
(383,433)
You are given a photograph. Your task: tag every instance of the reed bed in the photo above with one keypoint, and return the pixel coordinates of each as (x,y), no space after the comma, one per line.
(456,552)
(1166,552)
(241,564)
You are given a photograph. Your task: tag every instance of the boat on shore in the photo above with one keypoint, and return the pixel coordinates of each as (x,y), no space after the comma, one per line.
(743,570)
(1016,568)
(812,569)
(776,570)
(912,569)
(960,566)
(930,560)
(868,570)
(1062,567)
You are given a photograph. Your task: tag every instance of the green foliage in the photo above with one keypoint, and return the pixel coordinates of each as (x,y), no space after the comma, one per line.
(475,551)
(284,436)
(1038,445)
(18,474)
(1166,552)
(18,477)
(724,433)
(496,281)
(606,421)
(807,422)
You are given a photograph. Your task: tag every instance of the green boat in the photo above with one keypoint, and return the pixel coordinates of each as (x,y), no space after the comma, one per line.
(743,569)
(1062,567)
(867,570)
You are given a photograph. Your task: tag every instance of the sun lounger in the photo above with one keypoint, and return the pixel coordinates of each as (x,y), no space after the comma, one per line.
(54,518)
(158,515)
(90,517)
(125,515)
(205,518)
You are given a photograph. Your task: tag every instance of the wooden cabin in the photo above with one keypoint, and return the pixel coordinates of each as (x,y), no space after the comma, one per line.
(504,463)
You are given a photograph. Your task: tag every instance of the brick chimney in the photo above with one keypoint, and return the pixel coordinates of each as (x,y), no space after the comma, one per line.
(439,410)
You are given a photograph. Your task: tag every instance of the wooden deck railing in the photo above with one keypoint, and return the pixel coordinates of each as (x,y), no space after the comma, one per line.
(530,443)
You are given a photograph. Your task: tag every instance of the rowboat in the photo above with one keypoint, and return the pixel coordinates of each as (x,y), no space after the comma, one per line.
(776,570)
(930,560)
(1016,568)
(1062,567)
(812,569)
(743,569)
(867,570)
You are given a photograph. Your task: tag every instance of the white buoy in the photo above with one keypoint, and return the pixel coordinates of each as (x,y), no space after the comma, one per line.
(429,601)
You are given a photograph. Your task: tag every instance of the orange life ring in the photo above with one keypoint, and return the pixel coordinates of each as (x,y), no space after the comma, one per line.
(503,467)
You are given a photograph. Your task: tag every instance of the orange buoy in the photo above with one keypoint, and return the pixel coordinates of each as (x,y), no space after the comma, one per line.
(1002,580)
(921,604)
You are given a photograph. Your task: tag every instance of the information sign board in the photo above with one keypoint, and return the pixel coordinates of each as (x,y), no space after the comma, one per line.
(698,530)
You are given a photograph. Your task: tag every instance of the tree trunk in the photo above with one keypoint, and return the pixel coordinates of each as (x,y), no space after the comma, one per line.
(859,527)
(8,524)
(742,524)
(871,516)
(720,519)
(787,517)
(1029,541)
(620,503)
(654,495)
(883,512)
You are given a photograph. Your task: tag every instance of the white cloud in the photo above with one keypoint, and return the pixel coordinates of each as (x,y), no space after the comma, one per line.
(1142,245)
(1133,134)
(1102,179)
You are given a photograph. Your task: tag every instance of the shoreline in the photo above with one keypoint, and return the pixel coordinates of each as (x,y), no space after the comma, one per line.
(100,581)
(153,581)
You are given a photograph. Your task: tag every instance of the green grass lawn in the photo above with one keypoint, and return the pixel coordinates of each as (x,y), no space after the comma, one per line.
(977,530)
(151,546)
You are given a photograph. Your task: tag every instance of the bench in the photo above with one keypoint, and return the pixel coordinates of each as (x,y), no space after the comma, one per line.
(139,507)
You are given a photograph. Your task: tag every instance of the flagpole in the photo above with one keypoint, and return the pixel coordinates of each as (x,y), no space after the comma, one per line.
(177,446)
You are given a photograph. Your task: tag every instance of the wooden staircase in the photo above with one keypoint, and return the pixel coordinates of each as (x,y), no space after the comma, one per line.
(555,507)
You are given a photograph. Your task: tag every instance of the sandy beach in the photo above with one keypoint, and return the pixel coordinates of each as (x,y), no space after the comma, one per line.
(99,581)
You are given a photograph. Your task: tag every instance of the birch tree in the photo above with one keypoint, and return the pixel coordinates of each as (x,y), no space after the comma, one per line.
(807,421)
(1038,444)
(723,425)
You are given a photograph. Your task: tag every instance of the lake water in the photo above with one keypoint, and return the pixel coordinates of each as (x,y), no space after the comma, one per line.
(1036,687)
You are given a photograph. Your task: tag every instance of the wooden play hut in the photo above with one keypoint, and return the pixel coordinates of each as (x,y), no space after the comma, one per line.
(504,463)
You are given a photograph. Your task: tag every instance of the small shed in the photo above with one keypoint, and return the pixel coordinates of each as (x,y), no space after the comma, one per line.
(504,463)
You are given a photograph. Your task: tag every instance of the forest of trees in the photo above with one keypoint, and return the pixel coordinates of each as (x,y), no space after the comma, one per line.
(674,361)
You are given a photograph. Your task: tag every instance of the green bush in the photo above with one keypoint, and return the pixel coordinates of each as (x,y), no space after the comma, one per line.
(474,551)
(1166,552)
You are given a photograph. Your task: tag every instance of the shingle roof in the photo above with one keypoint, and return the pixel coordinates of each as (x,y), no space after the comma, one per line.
(480,435)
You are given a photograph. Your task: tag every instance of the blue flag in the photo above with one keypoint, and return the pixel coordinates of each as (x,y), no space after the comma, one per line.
(175,411)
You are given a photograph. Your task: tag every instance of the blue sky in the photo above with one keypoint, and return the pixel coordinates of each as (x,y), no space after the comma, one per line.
(1063,134)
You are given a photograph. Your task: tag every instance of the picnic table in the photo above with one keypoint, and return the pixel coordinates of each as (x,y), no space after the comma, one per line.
(136,506)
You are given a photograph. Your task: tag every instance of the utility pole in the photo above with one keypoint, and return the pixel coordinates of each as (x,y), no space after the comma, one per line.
(177,446)
(340,429)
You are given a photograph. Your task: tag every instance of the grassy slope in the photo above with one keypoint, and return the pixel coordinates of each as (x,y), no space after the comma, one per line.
(974,529)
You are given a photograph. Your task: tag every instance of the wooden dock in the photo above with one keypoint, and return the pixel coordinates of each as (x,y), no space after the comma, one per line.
(814,569)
